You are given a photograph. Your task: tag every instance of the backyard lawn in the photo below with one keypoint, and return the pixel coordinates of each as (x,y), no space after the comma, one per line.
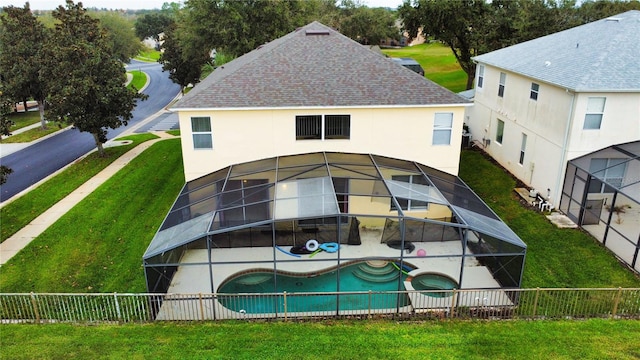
(438,63)
(590,339)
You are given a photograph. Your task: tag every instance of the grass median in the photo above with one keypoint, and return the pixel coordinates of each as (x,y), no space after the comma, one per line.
(139,79)
(591,339)
(23,210)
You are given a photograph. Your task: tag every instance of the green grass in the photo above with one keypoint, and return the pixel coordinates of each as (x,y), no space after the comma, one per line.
(21,211)
(148,55)
(98,245)
(173,132)
(23,119)
(591,339)
(555,257)
(438,62)
(33,134)
(139,79)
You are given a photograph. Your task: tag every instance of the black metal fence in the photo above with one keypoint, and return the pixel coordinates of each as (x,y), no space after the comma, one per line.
(466,304)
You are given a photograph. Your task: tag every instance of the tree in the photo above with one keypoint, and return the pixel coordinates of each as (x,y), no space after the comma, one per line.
(120,35)
(183,69)
(369,26)
(152,25)
(86,82)
(22,38)
(456,23)
(5,126)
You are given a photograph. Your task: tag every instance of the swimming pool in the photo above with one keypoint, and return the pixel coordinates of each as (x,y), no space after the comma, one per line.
(434,281)
(359,276)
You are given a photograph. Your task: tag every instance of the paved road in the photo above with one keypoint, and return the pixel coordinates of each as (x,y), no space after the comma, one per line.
(36,162)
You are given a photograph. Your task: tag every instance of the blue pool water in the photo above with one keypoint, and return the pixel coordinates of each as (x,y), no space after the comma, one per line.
(353,277)
(433,281)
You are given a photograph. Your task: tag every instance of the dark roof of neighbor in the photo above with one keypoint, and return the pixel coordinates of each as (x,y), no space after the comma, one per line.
(314,66)
(598,56)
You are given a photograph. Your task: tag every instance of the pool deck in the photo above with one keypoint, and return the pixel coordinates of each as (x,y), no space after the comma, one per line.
(194,279)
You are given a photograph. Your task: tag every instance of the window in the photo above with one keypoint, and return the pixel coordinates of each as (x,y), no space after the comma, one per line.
(534,91)
(595,109)
(606,171)
(442,124)
(503,80)
(201,129)
(337,126)
(480,75)
(309,127)
(408,204)
(500,131)
(523,146)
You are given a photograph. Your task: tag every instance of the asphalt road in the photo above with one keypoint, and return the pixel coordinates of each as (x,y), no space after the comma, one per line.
(37,161)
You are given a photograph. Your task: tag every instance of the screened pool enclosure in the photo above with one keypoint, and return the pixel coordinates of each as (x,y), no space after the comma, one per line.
(308,215)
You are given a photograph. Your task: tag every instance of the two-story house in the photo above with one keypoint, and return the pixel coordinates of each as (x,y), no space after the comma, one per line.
(541,103)
(313,153)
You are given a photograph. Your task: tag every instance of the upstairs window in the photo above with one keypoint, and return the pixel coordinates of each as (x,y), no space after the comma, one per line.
(337,126)
(201,129)
(480,76)
(595,110)
(503,80)
(308,127)
(318,127)
(500,132)
(442,125)
(533,95)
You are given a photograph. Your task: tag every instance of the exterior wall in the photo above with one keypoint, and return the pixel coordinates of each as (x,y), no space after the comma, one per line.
(620,123)
(553,124)
(245,135)
(544,121)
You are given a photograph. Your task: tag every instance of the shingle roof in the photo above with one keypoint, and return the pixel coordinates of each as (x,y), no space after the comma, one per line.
(603,55)
(314,66)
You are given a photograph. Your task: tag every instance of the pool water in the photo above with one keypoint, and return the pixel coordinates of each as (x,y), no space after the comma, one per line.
(353,277)
(433,281)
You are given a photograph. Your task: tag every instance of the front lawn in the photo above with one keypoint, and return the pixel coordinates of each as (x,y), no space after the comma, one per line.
(23,119)
(33,134)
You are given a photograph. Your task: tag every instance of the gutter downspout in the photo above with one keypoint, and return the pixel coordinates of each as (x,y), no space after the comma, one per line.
(563,158)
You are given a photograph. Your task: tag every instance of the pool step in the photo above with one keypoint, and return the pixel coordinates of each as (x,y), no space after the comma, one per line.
(381,278)
(254,279)
(386,269)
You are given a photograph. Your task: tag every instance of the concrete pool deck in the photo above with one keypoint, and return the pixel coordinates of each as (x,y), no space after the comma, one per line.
(192,277)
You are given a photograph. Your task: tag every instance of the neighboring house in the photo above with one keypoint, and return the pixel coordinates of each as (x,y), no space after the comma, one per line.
(313,153)
(543,102)
(317,90)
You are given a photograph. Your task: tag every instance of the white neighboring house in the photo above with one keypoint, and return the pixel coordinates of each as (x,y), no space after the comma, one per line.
(317,90)
(541,103)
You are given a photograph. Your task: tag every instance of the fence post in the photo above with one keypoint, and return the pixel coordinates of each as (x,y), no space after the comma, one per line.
(201,307)
(285,305)
(35,307)
(115,297)
(452,313)
(535,303)
(616,302)
(369,306)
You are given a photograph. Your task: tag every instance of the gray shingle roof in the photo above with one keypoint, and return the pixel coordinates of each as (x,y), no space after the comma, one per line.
(603,55)
(303,69)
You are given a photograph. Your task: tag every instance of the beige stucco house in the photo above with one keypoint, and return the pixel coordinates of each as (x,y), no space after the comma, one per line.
(317,90)
(541,103)
(315,164)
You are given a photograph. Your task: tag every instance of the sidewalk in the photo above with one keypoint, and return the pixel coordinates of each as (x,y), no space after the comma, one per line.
(24,236)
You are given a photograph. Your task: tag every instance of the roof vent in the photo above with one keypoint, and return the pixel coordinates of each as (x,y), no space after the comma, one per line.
(316,32)
(613,19)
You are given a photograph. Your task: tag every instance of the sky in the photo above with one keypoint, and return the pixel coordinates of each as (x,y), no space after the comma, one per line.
(142,4)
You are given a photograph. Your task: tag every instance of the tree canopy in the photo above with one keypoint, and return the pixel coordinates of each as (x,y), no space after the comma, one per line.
(86,82)
(5,125)
(183,70)
(22,38)
(152,25)
(120,36)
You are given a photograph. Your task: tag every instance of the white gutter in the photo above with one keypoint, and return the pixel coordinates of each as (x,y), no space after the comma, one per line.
(321,107)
